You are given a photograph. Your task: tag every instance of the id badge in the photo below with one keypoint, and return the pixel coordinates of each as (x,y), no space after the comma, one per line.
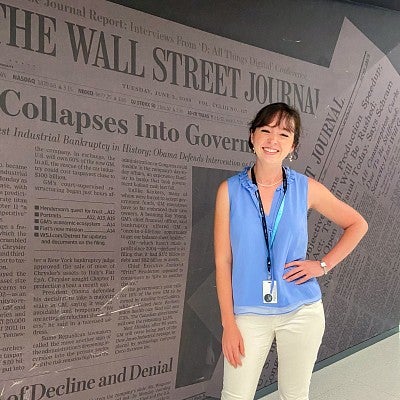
(268,296)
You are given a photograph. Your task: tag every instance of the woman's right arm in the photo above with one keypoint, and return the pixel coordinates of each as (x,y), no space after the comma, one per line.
(232,342)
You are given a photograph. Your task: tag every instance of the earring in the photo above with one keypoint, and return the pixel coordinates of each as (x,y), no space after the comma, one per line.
(290,157)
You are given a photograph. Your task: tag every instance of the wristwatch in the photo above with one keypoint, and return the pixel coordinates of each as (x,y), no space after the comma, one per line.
(324,266)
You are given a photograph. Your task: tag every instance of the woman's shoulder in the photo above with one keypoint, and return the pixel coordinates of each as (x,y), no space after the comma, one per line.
(294,176)
(240,178)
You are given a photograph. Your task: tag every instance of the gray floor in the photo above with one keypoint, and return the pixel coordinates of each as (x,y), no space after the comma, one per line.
(370,374)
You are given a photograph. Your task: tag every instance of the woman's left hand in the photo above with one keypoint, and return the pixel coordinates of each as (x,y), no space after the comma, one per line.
(303,271)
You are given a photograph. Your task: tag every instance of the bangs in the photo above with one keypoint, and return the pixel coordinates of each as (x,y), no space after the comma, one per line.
(279,118)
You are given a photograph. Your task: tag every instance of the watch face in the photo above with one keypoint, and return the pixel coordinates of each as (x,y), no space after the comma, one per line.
(323,266)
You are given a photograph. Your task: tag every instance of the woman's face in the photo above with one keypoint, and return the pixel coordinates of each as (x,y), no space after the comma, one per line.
(272,143)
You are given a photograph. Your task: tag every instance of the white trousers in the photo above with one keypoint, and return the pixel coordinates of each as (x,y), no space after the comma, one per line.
(298,337)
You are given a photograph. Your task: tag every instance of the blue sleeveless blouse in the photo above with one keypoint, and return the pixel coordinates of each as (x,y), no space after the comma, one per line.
(249,268)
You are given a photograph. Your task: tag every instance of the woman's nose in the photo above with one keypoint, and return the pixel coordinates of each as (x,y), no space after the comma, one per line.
(273,138)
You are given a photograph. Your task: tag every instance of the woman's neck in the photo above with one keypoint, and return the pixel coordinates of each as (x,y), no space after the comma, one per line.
(268,174)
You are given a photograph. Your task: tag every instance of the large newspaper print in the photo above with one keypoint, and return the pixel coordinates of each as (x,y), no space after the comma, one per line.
(116,129)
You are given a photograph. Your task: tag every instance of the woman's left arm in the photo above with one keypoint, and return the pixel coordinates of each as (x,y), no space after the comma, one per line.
(354,228)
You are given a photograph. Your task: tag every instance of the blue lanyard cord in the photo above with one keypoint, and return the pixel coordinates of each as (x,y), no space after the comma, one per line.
(269,242)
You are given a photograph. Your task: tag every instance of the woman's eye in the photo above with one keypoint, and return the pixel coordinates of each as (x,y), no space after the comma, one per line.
(284,134)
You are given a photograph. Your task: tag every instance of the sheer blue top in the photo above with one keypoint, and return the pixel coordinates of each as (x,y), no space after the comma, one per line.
(249,251)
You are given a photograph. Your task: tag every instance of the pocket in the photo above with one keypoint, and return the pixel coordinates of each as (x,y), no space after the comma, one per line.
(316,308)
(316,304)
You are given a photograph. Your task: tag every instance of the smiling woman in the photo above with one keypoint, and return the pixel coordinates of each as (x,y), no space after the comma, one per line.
(267,288)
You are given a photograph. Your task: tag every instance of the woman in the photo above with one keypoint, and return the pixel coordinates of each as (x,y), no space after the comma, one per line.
(266,287)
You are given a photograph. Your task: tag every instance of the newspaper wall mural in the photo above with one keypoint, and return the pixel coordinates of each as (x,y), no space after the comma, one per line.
(116,128)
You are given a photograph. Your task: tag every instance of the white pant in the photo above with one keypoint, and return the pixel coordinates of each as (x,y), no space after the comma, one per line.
(298,337)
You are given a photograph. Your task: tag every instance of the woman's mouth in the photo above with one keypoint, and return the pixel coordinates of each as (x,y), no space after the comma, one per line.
(269,150)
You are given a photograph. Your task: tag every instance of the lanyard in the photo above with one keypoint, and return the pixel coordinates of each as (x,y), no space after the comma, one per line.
(269,242)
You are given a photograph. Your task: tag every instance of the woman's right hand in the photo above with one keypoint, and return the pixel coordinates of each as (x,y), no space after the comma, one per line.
(232,344)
